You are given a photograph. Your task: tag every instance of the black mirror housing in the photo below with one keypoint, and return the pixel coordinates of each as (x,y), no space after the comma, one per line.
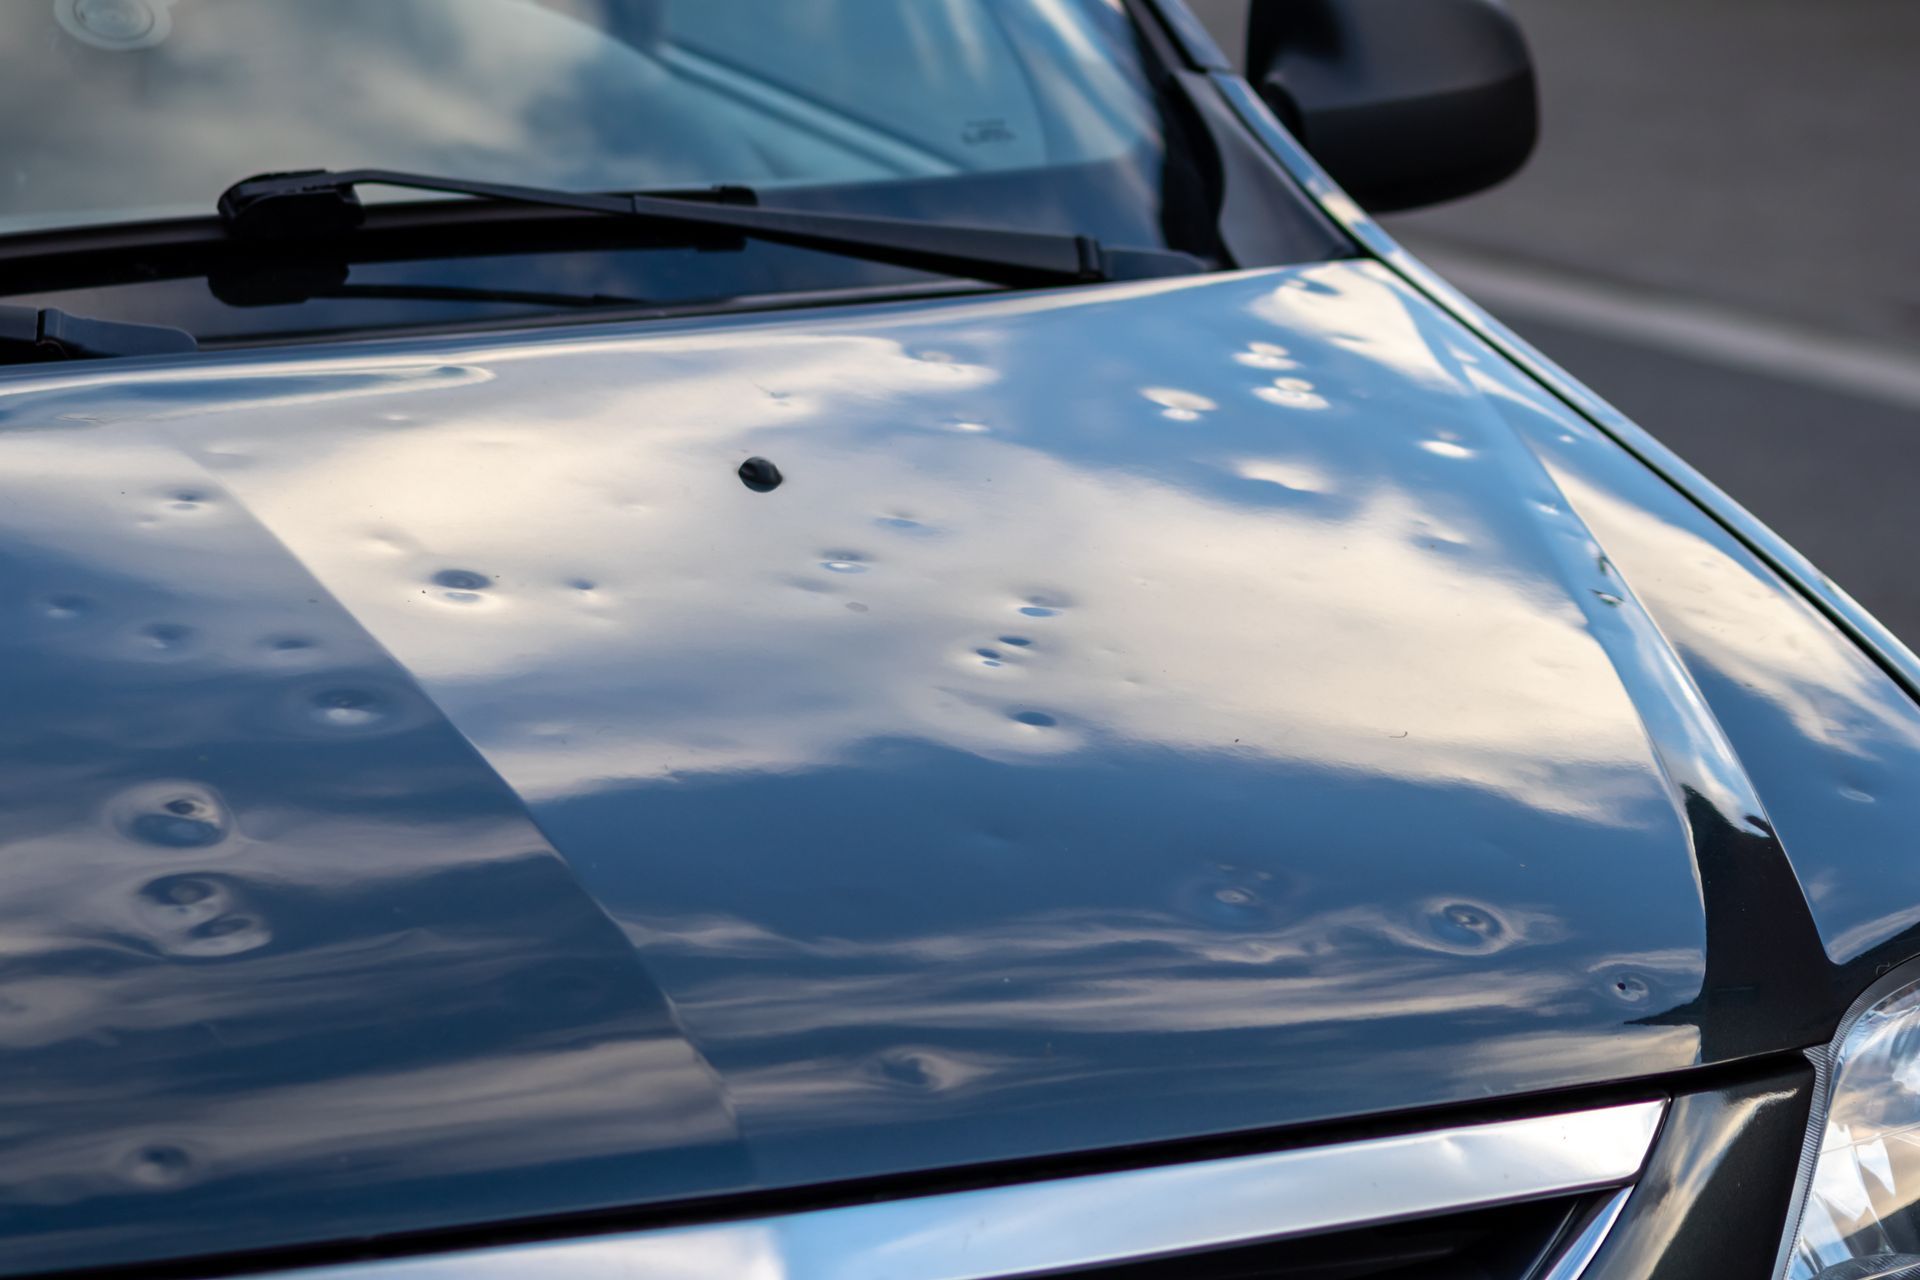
(1405,102)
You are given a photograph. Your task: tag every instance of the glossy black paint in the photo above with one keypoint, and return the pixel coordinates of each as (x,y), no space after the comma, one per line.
(1831,740)
(1819,697)
(1717,1185)
(283,958)
(439,790)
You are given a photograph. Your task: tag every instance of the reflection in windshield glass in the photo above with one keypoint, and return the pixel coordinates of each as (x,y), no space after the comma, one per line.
(127,109)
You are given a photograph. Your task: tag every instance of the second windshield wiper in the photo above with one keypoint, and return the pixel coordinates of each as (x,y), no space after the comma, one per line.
(30,335)
(320,203)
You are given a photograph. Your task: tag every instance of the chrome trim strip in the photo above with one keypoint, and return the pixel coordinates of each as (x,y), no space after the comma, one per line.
(1579,1253)
(1101,1218)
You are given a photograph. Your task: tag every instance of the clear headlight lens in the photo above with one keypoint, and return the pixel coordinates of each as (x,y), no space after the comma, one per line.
(1862,1214)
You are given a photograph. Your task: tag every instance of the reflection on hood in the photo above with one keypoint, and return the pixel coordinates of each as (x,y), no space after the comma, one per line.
(439,790)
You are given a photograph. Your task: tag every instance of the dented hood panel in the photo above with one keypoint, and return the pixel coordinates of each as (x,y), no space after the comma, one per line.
(437,789)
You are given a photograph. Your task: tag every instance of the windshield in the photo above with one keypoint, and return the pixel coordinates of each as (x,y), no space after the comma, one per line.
(1033,114)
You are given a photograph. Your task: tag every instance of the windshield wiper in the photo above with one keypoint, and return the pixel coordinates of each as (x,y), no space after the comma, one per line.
(32,334)
(322,204)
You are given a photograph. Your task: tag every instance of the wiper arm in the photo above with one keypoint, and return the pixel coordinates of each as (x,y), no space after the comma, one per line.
(31,334)
(320,203)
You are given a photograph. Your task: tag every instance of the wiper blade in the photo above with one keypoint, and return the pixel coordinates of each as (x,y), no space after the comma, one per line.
(322,204)
(32,334)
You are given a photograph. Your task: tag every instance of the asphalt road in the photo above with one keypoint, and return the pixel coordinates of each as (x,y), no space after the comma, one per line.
(1721,234)
(1834,473)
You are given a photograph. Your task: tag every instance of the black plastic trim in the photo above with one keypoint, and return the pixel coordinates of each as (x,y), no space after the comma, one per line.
(1718,1182)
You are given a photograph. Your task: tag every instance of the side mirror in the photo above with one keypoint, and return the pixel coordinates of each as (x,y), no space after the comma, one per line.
(1405,102)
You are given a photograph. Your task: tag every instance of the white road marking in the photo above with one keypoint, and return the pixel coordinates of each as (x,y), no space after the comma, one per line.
(1516,292)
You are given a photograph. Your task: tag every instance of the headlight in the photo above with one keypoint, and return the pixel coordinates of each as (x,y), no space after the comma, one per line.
(1862,1214)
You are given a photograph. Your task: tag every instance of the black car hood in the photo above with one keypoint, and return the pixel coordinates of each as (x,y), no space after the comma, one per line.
(438,790)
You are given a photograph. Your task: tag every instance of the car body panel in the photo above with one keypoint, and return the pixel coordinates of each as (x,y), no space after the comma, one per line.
(1766,547)
(283,956)
(442,792)
(1830,739)
(1816,693)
